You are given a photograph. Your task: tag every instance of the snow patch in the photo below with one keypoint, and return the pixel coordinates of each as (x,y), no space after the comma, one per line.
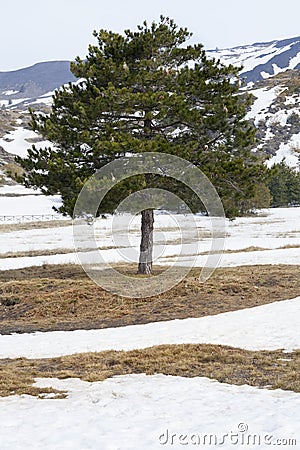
(9,92)
(265,97)
(286,152)
(16,142)
(138,411)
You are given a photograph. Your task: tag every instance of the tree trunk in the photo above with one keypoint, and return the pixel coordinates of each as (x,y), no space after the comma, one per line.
(146,247)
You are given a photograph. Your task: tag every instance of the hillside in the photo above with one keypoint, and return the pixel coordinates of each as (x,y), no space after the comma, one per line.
(23,86)
(271,71)
(263,59)
(276,114)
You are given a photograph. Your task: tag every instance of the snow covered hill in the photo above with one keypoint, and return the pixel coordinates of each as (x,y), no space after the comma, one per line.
(15,139)
(31,83)
(264,59)
(272,74)
(276,114)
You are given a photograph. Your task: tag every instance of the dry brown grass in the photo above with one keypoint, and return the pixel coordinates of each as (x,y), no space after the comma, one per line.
(13,170)
(268,369)
(259,249)
(33,253)
(289,246)
(241,250)
(64,298)
(10,227)
(59,251)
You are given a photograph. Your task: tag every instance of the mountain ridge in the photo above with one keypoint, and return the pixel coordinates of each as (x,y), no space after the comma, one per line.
(34,81)
(262,60)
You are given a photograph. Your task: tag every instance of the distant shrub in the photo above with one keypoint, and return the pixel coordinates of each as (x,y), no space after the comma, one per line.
(13,170)
(293,119)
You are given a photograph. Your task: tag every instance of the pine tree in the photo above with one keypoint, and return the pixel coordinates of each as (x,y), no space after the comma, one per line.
(284,185)
(146,90)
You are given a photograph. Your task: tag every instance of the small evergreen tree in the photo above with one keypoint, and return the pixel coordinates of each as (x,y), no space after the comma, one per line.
(146,90)
(284,185)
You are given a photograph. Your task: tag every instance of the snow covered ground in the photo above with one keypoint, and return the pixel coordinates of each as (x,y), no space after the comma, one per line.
(285,256)
(28,205)
(151,412)
(17,189)
(275,229)
(16,142)
(140,412)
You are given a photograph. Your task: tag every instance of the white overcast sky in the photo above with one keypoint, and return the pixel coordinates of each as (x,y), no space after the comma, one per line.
(42,30)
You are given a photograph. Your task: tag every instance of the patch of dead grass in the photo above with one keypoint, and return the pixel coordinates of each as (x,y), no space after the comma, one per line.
(240,250)
(56,251)
(64,298)
(265,369)
(23,226)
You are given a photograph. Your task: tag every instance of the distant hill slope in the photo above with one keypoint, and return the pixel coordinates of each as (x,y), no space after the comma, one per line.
(263,59)
(35,80)
(276,115)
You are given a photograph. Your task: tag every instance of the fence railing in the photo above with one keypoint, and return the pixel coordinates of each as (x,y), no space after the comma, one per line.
(30,218)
